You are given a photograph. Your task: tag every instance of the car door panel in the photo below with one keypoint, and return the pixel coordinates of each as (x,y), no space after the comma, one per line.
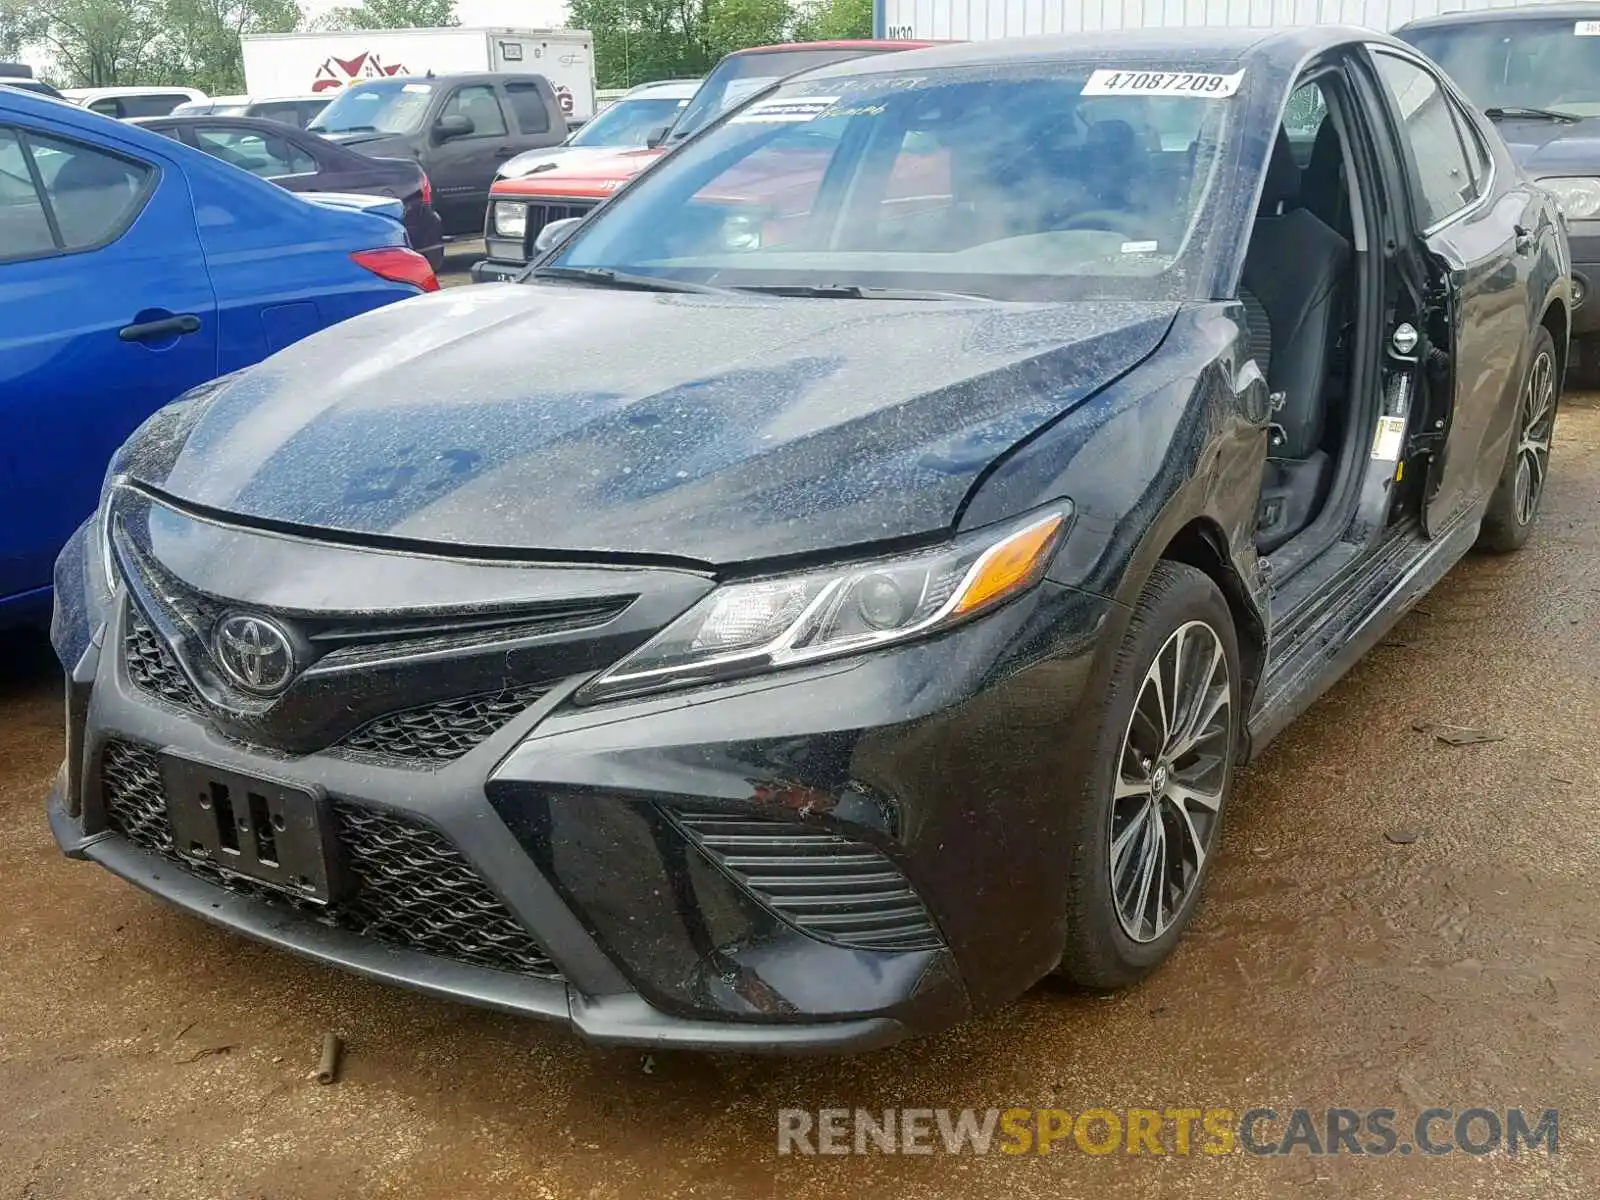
(1465,198)
(464,167)
(1488,282)
(82,366)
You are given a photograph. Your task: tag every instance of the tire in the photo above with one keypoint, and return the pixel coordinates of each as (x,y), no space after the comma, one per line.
(1110,945)
(1514,507)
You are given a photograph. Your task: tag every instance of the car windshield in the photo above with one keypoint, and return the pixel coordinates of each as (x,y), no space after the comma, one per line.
(384,106)
(740,76)
(1023,181)
(628,122)
(1520,63)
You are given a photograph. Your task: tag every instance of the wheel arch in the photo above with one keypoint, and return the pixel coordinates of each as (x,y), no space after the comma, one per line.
(1558,321)
(1201,544)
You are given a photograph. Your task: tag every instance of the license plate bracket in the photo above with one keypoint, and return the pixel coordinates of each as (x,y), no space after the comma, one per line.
(273,833)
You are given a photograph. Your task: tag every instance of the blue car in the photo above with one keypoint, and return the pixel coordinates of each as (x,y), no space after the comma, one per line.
(131,269)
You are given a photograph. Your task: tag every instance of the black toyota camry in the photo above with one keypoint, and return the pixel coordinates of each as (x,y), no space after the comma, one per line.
(836,586)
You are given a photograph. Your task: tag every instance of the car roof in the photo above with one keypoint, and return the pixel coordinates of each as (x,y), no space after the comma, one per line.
(665,89)
(94,93)
(93,126)
(1524,12)
(176,120)
(1285,46)
(838,44)
(451,77)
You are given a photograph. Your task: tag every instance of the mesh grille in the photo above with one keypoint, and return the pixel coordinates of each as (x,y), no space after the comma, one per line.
(541,213)
(832,887)
(443,731)
(412,887)
(429,733)
(152,667)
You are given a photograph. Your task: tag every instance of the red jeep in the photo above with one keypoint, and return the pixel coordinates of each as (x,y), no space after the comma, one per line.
(520,208)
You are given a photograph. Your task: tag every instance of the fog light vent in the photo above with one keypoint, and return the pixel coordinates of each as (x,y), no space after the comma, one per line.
(832,887)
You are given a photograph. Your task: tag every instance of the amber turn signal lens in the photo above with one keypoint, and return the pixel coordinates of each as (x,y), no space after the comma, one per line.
(1010,566)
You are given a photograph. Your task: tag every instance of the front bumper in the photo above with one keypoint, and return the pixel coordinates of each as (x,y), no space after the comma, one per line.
(948,761)
(493,270)
(1584,239)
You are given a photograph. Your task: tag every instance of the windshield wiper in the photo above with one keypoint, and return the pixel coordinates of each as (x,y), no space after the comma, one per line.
(1539,114)
(346,129)
(852,291)
(621,279)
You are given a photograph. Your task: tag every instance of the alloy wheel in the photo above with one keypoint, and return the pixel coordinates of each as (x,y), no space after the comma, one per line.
(1533,445)
(1168,792)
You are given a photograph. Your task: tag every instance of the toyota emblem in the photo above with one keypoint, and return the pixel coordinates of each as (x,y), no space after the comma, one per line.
(254,653)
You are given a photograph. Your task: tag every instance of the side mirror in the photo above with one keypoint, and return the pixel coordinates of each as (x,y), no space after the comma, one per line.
(453,125)
(553,233)
(657,135)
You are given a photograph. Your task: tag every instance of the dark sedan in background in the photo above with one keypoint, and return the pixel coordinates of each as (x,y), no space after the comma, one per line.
(836,586)
(1535,71)
(304,162)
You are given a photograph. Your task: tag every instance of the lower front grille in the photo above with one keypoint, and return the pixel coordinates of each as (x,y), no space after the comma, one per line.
(412,888)
(541,213)
(832,887)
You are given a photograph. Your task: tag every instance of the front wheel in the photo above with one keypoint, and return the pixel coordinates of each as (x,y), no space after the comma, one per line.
(1147,824)
(1514,507)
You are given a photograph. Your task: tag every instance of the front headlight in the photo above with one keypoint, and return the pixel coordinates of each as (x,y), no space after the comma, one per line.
(510,218)
(763,624)
(105,557)
(1579,198)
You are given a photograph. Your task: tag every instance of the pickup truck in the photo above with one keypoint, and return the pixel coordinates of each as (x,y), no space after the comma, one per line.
(459,128)
(520,208)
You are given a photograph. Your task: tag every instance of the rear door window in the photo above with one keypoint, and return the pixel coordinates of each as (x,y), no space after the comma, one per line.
(94,196)
(268,157)
(24,228)
(529,107)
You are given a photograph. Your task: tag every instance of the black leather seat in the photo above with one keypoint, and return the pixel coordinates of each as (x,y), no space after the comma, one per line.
(1322,188)
(1293,276)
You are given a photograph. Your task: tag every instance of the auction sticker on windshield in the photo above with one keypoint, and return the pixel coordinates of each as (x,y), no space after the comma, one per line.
(1163,83)
(768,111)
(1587,29)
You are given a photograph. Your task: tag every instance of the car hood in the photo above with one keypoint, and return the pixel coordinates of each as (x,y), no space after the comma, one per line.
(596,173)
(1548,148)
(588,421)
(545,160)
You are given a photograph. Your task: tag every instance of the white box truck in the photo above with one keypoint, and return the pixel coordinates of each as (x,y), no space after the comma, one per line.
(296,64)
(971,20)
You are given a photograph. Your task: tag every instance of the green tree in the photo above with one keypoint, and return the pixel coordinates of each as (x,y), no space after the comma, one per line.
(391,14)
(201,43)
(826,20)
(640,40)
(103,43)
(93,42)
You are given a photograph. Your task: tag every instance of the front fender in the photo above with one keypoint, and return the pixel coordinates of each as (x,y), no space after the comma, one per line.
(1171,451)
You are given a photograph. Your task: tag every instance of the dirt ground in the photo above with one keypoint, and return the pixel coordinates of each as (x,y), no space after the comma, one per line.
(143,1053)
(459,256)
